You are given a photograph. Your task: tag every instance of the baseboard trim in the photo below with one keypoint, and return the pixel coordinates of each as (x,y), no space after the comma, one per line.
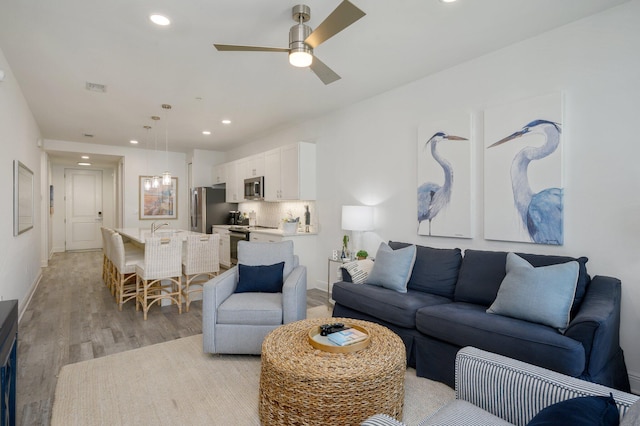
(634,381)
(27,299)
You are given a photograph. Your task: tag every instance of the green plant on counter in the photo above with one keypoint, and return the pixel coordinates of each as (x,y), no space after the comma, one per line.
(362,254)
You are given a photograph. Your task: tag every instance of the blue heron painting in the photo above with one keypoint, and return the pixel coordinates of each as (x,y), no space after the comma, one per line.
(433,197)
(541,213)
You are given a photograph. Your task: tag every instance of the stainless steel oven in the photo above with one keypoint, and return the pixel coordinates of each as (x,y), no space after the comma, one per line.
(235,235)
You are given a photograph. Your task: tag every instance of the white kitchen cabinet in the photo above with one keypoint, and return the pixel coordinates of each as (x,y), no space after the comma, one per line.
(290,172)
(225,246)
(272,175)
(264,238)
(254,166)
(232,188)
(219,173)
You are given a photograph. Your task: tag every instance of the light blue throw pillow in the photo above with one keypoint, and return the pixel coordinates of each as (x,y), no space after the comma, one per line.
(392,268)
(542,295)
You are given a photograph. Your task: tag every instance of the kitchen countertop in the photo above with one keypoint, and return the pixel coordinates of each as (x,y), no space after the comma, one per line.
(140,234)
(269,231)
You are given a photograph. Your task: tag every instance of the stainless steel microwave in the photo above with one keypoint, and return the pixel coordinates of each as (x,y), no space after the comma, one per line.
(254,188)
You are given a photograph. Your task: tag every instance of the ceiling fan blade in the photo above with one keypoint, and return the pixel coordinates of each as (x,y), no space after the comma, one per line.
(343,16)
(233,48)
(324,73)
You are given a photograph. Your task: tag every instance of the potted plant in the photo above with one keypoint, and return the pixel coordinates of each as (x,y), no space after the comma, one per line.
(362,254)
(345,246)
(290,224)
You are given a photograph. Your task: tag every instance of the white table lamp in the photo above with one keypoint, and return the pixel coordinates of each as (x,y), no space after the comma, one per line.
(357,219)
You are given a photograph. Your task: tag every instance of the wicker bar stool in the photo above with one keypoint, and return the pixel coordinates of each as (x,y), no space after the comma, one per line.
(162,262)
(201,263)
(106,257)
(124,270)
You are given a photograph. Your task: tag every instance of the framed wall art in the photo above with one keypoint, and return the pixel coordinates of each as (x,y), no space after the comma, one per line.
(444,177)
(22,198)
(158,203)
(523,171)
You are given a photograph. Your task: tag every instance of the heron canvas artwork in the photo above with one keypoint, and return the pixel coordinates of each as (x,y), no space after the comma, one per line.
(523,172)
(444,178)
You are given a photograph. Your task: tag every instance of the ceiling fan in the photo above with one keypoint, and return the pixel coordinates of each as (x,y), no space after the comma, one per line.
(302,40)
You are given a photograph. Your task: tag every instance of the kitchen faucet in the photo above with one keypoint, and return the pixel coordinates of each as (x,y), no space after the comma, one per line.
(155,226)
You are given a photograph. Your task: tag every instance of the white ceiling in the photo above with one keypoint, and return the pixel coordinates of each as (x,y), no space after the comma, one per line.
(55,47)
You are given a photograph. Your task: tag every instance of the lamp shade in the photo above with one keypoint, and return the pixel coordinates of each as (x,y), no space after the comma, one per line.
(357,218)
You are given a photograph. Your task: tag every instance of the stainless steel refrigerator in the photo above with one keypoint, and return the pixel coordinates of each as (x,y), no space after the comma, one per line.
(208,208)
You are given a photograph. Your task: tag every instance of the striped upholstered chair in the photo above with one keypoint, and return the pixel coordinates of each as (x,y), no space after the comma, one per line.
(495,390)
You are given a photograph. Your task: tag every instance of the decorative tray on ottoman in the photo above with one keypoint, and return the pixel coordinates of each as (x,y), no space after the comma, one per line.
(324,344)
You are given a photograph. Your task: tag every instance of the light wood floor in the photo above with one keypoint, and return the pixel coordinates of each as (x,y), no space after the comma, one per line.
(72,317)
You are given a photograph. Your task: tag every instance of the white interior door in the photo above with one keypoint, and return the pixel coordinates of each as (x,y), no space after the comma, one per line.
(83,201)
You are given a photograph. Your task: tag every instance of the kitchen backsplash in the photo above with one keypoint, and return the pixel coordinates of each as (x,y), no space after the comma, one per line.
(271,214)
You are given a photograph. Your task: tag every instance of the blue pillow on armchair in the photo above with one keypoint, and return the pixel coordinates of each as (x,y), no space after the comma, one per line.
(260,279)
(581,411)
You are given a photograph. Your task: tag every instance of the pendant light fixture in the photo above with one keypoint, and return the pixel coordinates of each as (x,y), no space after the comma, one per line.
(155,180)
(147,179)
(166,176)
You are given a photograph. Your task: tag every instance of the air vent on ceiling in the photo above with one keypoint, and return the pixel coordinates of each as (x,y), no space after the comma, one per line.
(95,87)
(87,135)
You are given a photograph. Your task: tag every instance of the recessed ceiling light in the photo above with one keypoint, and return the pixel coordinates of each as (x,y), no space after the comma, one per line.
(134,142)
(206,132)
(447,1)
(226,121)
(85,157)
(160,20)
(80,163)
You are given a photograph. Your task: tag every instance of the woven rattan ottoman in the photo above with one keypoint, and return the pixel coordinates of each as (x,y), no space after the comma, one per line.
(301,385)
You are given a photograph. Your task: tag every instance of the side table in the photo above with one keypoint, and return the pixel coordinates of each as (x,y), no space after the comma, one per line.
(301,385)
(332,260)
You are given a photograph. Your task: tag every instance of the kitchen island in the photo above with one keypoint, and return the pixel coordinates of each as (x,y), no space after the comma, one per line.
(139,235)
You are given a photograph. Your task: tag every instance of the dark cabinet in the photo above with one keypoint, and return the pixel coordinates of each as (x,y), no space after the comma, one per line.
(8,361)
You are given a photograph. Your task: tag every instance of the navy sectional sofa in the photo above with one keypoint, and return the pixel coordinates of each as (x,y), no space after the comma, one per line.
(444,309)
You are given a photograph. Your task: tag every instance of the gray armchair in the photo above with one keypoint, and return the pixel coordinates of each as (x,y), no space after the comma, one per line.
(237,323)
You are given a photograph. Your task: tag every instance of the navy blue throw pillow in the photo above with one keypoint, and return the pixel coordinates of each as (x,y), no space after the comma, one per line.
(583,411)
(262,278)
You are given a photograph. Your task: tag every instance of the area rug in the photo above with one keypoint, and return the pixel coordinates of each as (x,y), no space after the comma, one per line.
(176,383)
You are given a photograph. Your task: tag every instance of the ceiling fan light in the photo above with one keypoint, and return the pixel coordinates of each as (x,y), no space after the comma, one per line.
(300,58)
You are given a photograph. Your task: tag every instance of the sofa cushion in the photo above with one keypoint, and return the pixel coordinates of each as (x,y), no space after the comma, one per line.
(387,305)
(543,295)
(260,278)
(392,268)
(435,270)
(460,412)
(632,416)
(482,272)
(583,411)
(464,324)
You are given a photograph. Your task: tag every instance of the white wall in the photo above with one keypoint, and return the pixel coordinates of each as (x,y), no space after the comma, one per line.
(202,163)
(58,229)
(366,152)
(19,135)
(137,162)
